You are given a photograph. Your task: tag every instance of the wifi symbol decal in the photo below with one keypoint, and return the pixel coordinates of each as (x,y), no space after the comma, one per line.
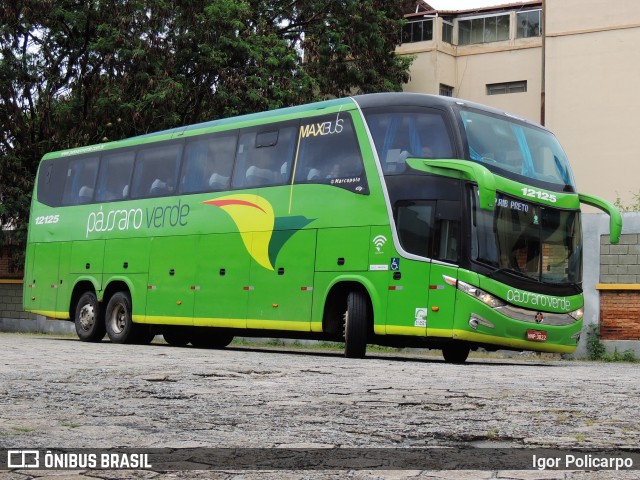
(379,241)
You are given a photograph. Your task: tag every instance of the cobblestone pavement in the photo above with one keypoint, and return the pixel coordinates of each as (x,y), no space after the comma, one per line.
(59,392)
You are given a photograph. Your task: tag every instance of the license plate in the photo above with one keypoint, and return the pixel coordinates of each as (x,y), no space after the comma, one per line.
(537,335)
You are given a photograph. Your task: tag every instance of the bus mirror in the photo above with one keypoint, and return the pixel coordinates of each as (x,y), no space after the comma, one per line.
(462,169)
(615,219)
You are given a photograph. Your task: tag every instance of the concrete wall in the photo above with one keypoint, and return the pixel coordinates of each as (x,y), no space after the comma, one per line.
(592,73)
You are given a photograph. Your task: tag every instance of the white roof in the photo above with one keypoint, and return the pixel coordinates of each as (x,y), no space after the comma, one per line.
(454,5)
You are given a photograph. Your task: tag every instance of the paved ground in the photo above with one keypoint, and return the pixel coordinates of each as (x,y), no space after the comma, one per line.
(59,392)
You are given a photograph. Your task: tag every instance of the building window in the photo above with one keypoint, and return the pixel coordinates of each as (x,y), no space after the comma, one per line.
(447,31)
(418,31)
(446,90)
(483,29)
(529,23)
(506,87)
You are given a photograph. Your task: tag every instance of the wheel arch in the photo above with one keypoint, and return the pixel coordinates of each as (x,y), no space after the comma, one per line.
(335,302)
(116,285)
(82,286)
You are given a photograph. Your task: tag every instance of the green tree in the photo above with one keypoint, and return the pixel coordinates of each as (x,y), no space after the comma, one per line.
(76,72)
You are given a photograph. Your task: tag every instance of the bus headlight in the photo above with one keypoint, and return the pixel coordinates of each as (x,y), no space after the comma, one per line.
(481,295)
(577,314)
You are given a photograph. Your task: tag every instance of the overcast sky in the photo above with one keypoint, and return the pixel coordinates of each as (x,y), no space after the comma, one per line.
(466,4)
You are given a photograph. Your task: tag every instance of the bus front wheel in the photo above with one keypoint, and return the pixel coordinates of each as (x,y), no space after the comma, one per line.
(455,352)
(118,321)
(356,325)
(88,319)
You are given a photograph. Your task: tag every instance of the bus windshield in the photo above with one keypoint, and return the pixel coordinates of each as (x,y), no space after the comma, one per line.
(530,240)
(517,149)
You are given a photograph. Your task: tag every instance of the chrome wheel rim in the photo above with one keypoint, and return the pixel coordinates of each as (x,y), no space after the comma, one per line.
(87,317)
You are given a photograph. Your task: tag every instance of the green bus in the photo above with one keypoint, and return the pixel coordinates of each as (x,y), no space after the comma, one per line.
(394,219)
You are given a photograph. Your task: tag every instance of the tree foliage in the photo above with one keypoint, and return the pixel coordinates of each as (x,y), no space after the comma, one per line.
(77,72)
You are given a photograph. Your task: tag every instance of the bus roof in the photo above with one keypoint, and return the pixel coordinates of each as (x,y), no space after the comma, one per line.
(363,101)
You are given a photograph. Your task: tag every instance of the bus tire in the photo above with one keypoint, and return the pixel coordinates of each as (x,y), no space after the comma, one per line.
(356,325)
(176,336)
(210,338)
(144,334)
(455,352)
(88,319)
(120,326)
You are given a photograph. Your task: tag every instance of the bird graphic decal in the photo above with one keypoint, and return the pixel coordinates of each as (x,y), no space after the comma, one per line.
(263,234)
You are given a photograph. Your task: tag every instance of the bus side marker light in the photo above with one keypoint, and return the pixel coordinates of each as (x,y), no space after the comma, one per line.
(306,289)
(274,305)
(435,308)
(33,298)
(178,302)
(395,287)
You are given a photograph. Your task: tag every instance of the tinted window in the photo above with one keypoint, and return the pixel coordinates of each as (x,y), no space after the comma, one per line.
(115,175)
(51,181)
(264,156)
(415,225)
(156,171)
(524,152)
(402,133)
(208,163)
(81,180)
(329,153)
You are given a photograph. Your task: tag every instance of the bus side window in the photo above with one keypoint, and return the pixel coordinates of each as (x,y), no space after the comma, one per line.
(408,132)
(448,230)
(415,224)
(264,156)
(208,163)
(156,170)
(51,181)
(81,181)
(114,177)
(329,154)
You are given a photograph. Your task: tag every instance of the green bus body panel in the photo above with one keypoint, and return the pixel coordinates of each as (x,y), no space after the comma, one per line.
(126,256)
(343,249)
(172,269)
(221,277)
(45,279)
(284,295)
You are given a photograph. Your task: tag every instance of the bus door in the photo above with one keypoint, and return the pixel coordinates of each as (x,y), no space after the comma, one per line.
(281,286)
(446,241)
(170,292)
(419,300)
(408,297)
(222,273)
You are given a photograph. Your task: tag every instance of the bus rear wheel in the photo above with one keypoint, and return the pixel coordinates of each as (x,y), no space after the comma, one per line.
(210,338)
(176,336)
(118,321)
(356,325)
(455,352)
(88,319)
